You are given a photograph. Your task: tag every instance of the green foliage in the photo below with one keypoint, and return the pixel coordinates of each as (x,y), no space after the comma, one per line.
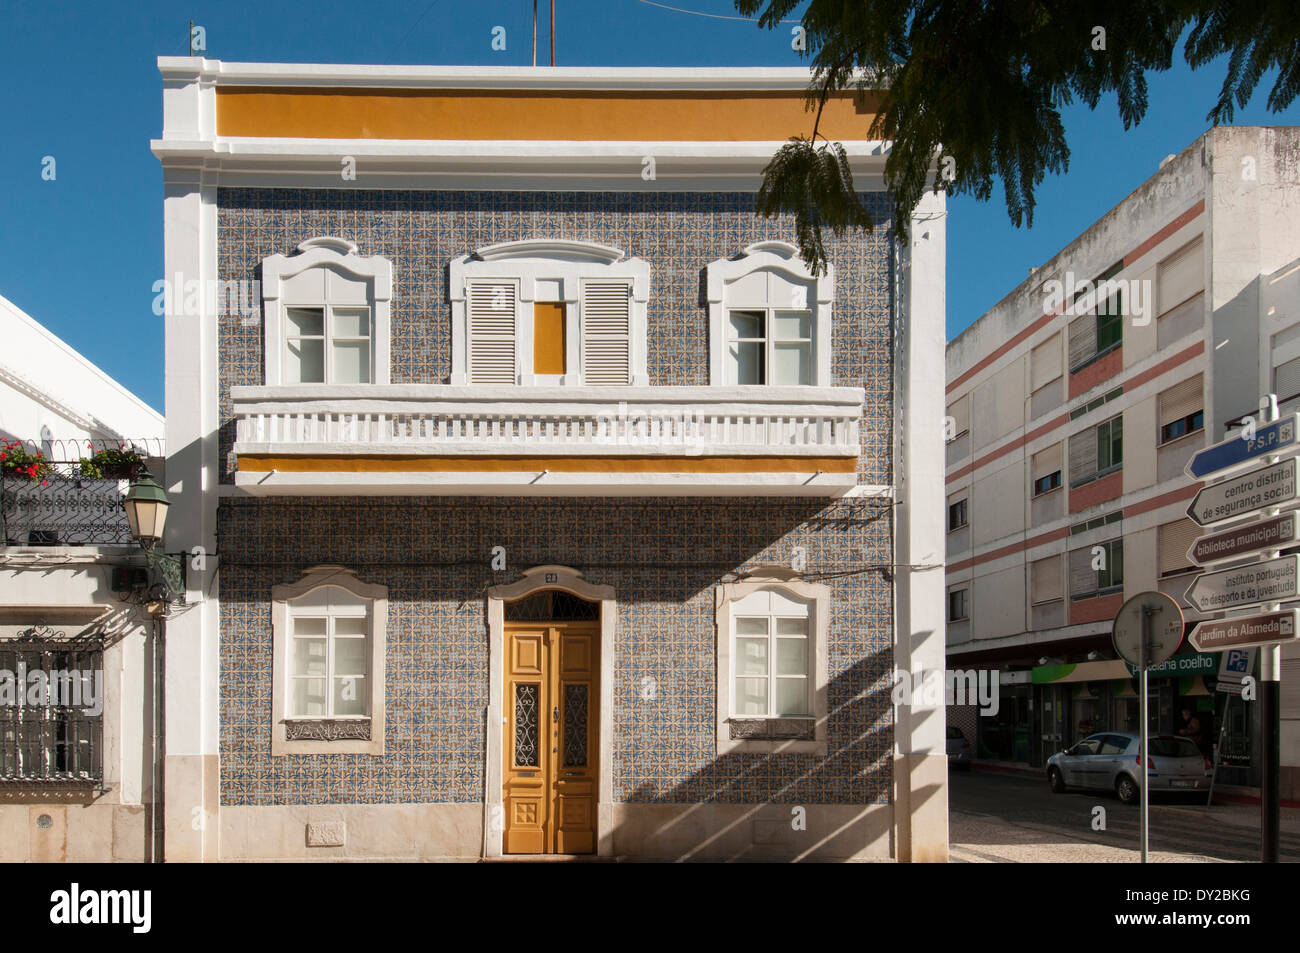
(112,463)
(814,184)
(983,82)
(16,460)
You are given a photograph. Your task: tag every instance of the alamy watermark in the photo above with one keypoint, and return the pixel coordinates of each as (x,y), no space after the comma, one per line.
(57,688)
(932,687)
(1125,297)
(192,297)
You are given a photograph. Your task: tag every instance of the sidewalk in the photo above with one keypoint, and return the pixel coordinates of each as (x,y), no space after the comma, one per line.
(980,839)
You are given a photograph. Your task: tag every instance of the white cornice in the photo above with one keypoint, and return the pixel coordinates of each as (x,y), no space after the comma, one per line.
(502,164)
(485,77)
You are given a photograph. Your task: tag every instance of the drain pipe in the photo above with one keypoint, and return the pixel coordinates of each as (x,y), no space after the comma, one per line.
(156,746)
(486,728)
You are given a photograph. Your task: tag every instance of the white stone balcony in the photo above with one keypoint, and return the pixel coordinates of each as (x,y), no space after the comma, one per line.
(547,441)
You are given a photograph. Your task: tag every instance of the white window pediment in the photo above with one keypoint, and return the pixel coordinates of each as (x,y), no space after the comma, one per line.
(327,314)
(772,633)
(769,318)
(549,311)
(329,632)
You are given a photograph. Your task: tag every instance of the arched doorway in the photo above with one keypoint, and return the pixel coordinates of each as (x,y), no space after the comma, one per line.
(548,761)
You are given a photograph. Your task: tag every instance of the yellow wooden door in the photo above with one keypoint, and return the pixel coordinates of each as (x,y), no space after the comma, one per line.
(551,779)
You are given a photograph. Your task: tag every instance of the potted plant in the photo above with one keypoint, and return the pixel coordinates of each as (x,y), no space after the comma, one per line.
(18,461)
(112,463)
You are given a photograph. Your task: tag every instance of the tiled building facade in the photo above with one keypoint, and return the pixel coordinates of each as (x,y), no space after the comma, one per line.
(796,506)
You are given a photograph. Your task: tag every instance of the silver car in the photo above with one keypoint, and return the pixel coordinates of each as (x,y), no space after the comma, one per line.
(959,752)
(1109,761)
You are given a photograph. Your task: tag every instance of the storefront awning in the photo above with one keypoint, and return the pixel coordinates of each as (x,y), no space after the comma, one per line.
(1103,671)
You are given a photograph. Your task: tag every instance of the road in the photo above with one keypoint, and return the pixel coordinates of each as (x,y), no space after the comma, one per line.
(997,817)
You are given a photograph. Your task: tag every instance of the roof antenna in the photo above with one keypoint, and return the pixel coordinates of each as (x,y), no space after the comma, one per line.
(189,40)
(534,32)
(552,32)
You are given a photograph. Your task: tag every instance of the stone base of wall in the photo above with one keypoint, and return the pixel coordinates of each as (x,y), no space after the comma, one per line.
(334,832)
(364,832)
(767,832)
(78,833)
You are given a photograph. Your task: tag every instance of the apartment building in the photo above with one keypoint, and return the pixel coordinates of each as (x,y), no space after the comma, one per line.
(554,504)
(1073,407)
(78,650)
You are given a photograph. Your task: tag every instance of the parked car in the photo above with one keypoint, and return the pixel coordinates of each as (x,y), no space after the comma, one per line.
(1110,761)
(959,749)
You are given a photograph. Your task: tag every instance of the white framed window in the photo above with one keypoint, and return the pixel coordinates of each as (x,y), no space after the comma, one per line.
(329,632)
(542,312)
(772,631)
(327,315)
(769,319)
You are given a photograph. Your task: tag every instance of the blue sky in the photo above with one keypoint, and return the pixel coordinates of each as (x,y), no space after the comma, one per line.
(81,253)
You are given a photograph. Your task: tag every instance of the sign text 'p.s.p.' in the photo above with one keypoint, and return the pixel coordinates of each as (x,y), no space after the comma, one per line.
(1267,439)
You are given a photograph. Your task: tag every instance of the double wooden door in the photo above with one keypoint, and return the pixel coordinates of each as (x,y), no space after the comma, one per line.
(551,743)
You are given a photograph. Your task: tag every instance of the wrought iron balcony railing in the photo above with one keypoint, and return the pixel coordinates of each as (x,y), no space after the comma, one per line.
(69,511)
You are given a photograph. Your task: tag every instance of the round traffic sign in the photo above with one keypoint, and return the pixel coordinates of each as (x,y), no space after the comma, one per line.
(1166,627)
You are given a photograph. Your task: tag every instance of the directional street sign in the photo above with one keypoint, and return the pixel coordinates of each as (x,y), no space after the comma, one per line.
(1242,495)
(1274,532)
(1220,635)
(1274,580)
(1268,439)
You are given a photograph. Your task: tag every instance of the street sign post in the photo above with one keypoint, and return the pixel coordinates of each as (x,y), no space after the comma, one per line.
(1247,631)
(1273,580)
(1274,532)
(1148,629)
(1268,439)
(1243,495)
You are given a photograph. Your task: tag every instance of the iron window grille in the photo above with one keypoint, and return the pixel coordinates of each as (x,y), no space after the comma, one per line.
(52,709)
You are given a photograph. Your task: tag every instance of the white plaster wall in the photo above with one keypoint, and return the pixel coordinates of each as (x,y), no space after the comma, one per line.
(45,383)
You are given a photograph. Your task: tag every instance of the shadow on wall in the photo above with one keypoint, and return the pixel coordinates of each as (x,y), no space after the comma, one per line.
(715,815)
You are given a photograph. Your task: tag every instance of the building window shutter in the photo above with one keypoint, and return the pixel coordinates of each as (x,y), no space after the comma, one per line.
(606,332)
(1083,455)
(1047,462)
(1046,580)
(1181,401)
(1083,339)
(1083,578)
(959,411)
(492,306)
(1286,379)
(1175,540)
(1045,362)
(1180,276)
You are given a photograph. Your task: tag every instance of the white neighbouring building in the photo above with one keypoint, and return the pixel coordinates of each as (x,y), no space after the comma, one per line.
(76,764)
(1066,491)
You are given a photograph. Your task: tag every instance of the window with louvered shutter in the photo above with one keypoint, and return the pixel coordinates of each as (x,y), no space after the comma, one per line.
(1047,461)
(1286,379)
(1175,539)
(491,308)
(1083,339)
(959,411)
(1083,455)
(1045,362)
(1180,276)
(1045,579)
(606,332)
(1181,400)
(1083,578)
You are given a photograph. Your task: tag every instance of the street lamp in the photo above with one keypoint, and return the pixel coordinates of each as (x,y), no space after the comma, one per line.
(146,510)
(146,506)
